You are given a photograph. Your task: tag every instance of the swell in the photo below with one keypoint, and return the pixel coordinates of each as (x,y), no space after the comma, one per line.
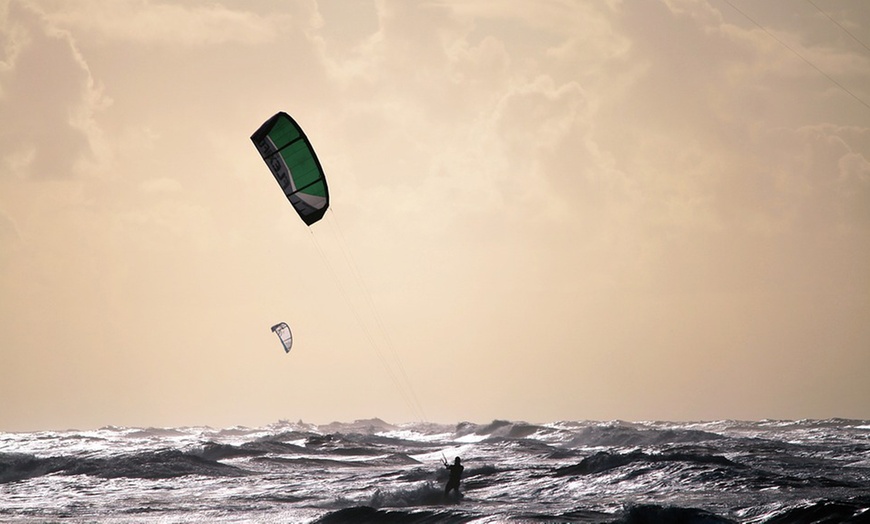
(367,515)
(604,461)
(147,465)
(624,435)
(853,511)
(698,464)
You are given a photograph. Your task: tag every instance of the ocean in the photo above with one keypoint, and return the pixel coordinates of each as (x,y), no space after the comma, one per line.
(771,471)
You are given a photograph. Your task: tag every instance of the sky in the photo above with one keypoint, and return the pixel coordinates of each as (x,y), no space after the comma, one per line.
(540,211)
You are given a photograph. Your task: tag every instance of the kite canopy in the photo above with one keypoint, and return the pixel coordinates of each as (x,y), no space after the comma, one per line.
(288,153)
(283,331)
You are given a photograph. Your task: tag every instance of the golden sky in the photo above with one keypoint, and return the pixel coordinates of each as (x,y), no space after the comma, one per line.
(541,210)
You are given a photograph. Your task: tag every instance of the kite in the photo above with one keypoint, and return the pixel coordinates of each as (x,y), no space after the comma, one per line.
(288,153)
(283,331)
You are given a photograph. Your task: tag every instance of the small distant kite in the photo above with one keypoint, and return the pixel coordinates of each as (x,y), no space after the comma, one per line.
(284,334)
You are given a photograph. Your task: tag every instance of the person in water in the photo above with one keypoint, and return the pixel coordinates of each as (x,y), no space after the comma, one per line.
(455,476)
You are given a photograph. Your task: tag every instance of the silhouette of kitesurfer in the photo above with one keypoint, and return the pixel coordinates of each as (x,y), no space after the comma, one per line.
(455,476)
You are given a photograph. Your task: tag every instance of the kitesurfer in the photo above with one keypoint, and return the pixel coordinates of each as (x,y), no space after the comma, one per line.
(455,475)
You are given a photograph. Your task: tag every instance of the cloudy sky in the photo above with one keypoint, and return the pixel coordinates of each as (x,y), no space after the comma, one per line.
(546,210)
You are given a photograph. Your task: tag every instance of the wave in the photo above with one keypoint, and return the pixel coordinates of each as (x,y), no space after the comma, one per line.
(654,514)
(498,429)
(158,464)
(310,462)
(614,472)
(616,434)
(213,451)
(147,465)
(354,444)
(398,459)
(604,461)
(276,446)
(626,435)
(426,494)
(369,515)
(20,466)
(822,511)
(642,514)
(149,432)
(694,466)
(365,426)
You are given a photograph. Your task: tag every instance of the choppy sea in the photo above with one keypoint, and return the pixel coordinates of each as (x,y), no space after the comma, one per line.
(809,471)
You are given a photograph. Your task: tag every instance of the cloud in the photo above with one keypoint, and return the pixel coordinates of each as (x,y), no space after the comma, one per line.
(47,90)
(155,22)
(709,116)
(620,186)
(646,129)
(9,238)
(161,185)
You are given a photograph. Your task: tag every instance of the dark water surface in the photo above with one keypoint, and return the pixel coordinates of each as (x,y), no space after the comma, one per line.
(814,471)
